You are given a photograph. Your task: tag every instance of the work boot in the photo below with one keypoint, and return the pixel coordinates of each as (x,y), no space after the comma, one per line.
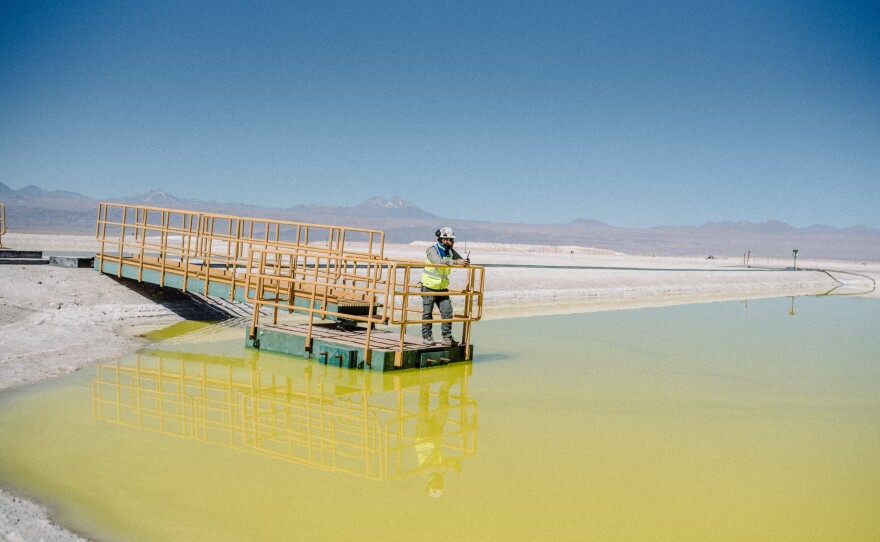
(449,341)
(428,341)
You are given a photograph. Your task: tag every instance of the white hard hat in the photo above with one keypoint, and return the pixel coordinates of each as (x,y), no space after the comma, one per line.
(445,233)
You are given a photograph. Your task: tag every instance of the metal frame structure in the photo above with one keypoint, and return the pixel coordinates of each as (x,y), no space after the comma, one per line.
(387,290)
(363,424)
(324,272)
(210,247)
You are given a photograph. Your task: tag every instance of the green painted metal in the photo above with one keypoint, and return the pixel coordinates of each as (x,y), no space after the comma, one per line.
(434,358)
(215,288)
(272,340)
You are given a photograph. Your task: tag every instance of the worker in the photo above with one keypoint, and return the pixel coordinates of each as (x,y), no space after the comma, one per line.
(435,278)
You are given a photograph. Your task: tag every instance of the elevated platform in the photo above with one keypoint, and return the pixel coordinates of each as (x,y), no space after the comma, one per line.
(346,348)
(337,277)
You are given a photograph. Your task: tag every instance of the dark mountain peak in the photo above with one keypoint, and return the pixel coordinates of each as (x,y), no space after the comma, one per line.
(31,190)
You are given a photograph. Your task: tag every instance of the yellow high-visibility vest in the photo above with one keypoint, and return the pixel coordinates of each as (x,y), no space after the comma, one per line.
(436,278)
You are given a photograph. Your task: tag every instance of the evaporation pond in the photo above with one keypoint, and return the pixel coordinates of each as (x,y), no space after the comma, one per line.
(720,421)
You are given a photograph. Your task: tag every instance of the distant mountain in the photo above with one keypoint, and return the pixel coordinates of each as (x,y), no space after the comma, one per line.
(396,202)
(155,198)
(33,209)
(585,223)
(746,226)
(396,207)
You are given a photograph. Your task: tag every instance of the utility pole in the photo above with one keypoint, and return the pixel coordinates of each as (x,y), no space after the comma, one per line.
(794,252)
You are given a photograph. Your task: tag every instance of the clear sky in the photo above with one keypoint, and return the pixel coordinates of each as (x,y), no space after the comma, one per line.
(635,114)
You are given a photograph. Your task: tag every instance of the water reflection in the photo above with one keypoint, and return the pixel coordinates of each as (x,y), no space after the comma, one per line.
(701,422)
(380,427)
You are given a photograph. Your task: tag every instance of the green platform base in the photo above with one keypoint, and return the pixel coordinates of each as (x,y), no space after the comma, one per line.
(330,345)
(171,280)
(345,348)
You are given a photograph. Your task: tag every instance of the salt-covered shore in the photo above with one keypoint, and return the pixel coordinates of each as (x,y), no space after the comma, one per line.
(56,320)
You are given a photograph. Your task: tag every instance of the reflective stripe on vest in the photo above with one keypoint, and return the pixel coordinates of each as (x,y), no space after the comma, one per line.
(436,278)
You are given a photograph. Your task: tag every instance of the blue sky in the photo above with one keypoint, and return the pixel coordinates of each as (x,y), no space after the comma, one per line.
(635,114)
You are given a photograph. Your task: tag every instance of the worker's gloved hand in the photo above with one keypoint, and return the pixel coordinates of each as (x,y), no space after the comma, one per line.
(465,263)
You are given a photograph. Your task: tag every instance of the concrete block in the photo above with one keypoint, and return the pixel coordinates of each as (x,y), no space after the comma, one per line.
(8,254)
(71,261)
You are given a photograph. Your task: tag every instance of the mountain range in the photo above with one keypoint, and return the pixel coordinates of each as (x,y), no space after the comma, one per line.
(34,209)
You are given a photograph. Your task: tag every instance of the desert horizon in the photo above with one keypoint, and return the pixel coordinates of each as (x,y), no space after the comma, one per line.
(31,209)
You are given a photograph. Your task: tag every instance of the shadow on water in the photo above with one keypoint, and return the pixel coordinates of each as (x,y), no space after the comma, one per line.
(480,357)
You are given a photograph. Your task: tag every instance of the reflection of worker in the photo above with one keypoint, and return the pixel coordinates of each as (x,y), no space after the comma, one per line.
(429,439)
(435,278)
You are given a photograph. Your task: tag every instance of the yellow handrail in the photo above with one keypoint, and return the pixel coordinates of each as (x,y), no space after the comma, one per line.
(276,278)
(212,246)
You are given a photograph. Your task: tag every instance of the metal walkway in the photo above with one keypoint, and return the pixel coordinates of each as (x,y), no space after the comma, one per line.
(356,304)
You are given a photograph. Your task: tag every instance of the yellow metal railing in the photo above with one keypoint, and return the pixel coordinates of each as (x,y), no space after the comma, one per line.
(465,291)
(379,427)
(317,270)
(2,223)
(209,246)
(319,282)
(388,291)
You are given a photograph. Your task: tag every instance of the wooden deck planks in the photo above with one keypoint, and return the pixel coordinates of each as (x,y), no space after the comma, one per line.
(379,339)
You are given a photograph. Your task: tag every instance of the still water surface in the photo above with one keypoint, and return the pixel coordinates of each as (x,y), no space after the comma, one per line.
(723,421)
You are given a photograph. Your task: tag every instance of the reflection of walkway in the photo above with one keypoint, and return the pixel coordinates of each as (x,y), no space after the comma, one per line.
(366,424)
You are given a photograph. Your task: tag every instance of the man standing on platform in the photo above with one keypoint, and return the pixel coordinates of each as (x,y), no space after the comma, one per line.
(435,278)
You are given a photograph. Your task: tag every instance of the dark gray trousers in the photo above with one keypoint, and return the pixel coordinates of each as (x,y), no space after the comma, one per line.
(445,305)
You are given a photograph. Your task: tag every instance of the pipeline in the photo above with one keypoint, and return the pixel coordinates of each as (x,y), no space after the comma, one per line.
(842,284)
